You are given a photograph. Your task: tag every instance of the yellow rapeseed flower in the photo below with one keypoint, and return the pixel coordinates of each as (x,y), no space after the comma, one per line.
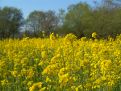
(94,35)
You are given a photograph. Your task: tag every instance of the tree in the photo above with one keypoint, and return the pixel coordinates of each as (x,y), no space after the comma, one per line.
(83,20)
(34,22)
(61,17)
(10,22)
(51,22)
(39,21)
(106,19)
(74,18)
(111,3)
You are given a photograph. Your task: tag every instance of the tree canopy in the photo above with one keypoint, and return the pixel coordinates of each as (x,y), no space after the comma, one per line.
(10,21)
(80,19)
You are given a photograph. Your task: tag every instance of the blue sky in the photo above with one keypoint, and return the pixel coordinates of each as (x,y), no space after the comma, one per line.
(28,6)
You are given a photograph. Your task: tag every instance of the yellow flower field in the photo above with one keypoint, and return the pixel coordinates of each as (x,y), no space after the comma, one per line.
(60,64)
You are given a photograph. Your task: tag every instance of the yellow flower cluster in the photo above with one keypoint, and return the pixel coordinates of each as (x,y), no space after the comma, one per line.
(60,64)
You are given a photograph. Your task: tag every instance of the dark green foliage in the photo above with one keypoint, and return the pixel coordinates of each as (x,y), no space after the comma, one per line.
(80,19)
(10,21)
(83,20)
(39,21)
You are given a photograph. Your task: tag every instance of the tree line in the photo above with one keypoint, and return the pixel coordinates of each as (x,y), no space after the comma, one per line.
(80,19)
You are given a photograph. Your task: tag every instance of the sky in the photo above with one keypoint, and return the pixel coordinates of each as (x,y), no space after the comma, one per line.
(28,6)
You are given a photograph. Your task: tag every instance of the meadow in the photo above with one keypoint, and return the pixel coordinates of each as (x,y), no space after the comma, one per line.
(60,64)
